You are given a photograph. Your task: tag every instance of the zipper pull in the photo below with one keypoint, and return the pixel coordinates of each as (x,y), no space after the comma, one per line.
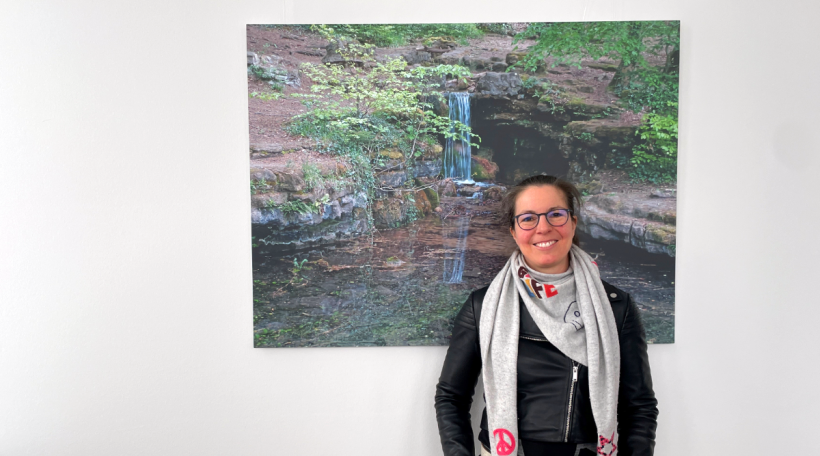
(574,372)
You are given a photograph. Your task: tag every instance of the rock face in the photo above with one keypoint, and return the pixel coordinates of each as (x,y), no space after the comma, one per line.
(499,84)
(289,210)
(641,220)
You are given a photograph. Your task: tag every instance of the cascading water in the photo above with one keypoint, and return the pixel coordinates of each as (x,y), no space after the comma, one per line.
(454,258)
(457,151)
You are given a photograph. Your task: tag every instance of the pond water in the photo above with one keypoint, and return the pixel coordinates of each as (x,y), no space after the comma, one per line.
(404,286)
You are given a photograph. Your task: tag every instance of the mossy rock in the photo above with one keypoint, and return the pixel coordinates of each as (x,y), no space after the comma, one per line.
(441,42)
(432,196)
(423,204)
(391,154)
(435,150)
(661,234)
(609,67)
(479,174)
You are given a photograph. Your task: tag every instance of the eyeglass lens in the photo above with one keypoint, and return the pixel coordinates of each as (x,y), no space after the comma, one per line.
(557,217)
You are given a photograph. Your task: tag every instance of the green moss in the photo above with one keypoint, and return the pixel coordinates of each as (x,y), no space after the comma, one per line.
(480,174)
(432,196)
(392,154)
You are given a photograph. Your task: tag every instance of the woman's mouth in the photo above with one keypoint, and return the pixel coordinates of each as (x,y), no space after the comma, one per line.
(545,244)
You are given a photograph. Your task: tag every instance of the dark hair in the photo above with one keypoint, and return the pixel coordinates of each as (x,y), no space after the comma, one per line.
(571,194)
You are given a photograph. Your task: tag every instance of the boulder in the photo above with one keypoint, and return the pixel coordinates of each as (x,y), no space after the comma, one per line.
(268,200)
(427,168)
(290,182)
(469,190)
(413,57)
(253,59)
(637,219)
(494,193)
(499,84)
(392,179)
(263,174)
(293,78)
(454,57)
(663,193)
(447,187)
(476,63)
(581,106)
(264,150)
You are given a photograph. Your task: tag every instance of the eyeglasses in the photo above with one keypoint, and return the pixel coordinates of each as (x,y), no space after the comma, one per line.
(555,217)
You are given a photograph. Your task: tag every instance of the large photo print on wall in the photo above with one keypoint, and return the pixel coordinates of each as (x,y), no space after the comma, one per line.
(379,155)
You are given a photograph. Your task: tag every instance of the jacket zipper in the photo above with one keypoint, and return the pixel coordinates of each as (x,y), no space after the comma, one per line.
(537,339)
(571,394)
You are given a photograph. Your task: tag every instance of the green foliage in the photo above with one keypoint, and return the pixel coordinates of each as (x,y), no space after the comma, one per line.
(261,72)
(313,176)
(292,207)
(529,82)
(501,28)
(266,96)
(637,81)
(399,34)
(259,186)
(298,265)
(655,158)
(585,136)
(358,112)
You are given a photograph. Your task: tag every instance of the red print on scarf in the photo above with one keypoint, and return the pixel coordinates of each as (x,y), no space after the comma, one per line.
(503,448)
(535,288)
(602,443)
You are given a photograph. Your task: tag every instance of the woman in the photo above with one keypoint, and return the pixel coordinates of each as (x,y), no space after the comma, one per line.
(563,354)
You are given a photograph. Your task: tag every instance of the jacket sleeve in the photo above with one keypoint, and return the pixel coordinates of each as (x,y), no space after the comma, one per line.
(637,406)
(454,392)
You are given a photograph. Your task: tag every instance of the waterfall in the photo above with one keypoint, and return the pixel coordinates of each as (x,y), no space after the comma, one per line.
(457,151)
(454,258)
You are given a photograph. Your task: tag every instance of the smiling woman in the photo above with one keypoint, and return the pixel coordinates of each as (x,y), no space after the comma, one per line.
(562,353)
(544,245)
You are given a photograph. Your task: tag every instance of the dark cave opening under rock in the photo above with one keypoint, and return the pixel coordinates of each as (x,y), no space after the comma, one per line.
(519,152)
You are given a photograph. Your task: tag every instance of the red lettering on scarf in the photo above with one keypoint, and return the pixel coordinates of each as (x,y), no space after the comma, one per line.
(550,290)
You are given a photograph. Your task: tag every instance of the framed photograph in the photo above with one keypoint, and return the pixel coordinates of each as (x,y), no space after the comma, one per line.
(379,155)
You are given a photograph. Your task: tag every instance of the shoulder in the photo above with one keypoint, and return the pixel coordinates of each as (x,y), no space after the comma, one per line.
(470,313)
(475,301)
(620,301)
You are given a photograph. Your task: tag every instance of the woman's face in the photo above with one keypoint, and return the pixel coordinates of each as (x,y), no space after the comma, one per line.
(545,247)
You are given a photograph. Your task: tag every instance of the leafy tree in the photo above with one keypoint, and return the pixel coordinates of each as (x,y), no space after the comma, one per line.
(638,82)
(656,158)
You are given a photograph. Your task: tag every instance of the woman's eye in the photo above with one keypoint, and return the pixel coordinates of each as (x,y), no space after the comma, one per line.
(527,218)
(555,214)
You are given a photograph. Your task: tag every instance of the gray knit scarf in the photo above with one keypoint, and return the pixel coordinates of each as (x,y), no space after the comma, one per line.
(585,331)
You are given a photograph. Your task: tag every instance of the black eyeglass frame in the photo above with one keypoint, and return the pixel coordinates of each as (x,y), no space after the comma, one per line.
(570,213)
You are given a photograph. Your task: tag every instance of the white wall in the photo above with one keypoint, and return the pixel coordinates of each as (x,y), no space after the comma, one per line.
(125,291)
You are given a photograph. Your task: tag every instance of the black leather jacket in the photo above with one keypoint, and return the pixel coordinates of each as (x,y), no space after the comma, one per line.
(546,385)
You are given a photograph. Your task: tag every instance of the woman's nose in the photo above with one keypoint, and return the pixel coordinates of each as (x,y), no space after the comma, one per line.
(543,225)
